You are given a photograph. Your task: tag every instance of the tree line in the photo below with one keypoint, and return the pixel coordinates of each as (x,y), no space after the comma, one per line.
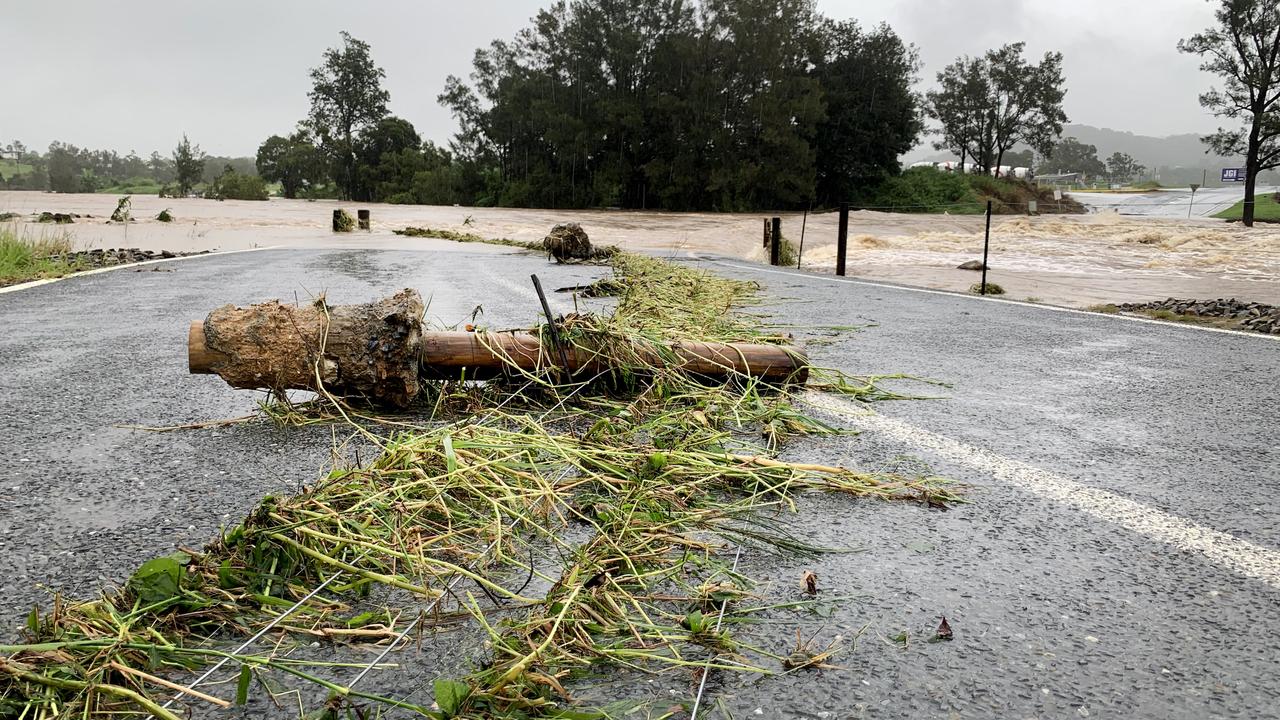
(726,105)
(711,105)
(987,105)
(67,168)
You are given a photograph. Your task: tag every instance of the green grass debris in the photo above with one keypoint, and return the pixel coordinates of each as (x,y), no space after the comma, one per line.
(654,474)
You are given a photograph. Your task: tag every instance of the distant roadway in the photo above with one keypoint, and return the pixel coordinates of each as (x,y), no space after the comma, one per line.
(1171,203)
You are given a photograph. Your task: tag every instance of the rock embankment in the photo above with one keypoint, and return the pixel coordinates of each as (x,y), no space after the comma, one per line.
(1257,317)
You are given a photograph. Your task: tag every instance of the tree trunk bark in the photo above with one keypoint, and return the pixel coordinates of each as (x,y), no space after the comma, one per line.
(1251,168)
(368,351)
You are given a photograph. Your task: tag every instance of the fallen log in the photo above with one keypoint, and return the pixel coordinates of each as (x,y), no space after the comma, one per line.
(378,351)
(365,351)
(481,355)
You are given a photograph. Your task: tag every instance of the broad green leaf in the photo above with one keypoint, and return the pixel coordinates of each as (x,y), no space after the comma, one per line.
(450,696)
(157,580)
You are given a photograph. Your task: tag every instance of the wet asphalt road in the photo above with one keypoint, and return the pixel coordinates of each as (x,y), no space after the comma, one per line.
(1060,606)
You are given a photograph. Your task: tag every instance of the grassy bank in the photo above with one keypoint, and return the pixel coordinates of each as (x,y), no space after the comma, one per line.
(134,186)
(1265,209)
(927,190)
(9,168)
(28,255)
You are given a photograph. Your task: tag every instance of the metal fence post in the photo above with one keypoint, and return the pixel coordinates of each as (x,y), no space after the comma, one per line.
(775,242)
(842,238)
(986,246)
(803,222)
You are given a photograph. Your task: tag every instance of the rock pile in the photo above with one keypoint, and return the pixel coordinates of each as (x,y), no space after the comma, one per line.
(59,218)
(1254,316)
(119,256)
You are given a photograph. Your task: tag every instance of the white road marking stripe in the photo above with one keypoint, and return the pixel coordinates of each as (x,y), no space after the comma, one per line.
(981,298)
(110,268)
(1225,550)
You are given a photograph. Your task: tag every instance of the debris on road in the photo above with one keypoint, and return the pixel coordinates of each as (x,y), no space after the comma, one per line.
(377,351)
(810,582)
(568,242)
(944,630)
(464,237)
(805,656)
(631,493)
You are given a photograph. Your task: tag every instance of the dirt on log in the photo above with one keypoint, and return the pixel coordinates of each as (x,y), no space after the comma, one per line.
(369,351)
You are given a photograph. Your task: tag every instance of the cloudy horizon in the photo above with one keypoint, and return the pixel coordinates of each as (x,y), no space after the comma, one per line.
(231,74)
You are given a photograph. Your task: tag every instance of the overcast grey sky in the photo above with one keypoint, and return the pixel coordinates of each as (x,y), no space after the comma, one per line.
(136,75)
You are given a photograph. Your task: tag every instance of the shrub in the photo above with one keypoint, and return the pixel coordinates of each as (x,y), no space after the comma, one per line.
(165,216)
(123,209)
(232,185)
(992,289)
(927,190)
(786,253)
(343,222)
(27,256)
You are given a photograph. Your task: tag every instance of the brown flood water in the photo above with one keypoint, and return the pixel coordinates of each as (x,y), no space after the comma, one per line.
(1066,260)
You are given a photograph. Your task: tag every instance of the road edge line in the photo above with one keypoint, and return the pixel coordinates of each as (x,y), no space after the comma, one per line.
(46,281)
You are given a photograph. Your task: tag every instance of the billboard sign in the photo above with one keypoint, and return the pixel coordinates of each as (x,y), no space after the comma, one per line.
(1233,174)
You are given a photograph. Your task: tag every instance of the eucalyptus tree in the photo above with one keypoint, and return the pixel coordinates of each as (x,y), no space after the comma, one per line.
(1243,49)
(188,165)
(1025,104)
(987,105)
(872,114)
(346,97)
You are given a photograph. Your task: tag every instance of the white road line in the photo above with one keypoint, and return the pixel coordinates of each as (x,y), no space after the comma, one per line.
(110,268)
(1222,549)
(979,298)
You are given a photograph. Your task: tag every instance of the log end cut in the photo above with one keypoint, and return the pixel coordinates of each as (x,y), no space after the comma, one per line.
(368,352)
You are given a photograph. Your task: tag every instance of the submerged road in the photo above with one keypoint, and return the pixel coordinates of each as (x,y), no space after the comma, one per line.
(1169,203)
(1120,556)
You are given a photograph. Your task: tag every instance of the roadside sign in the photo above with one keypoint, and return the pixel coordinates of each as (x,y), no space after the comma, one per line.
(1234,174)
(1057,194)
(1032,208)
